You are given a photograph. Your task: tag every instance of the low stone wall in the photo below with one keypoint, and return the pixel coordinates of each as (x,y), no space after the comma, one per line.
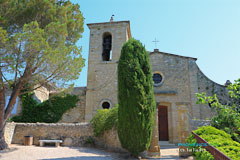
(9,132)
(199,123)
(110,141)
(72,134)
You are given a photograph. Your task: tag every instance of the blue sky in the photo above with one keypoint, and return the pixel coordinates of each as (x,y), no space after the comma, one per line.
(208,30)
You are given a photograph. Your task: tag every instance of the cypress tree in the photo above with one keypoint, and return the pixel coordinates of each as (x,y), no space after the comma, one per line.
(135,97)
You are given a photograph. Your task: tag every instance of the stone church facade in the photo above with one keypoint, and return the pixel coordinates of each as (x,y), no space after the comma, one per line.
(176,81)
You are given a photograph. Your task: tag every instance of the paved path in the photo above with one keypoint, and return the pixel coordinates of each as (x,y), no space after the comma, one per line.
(171,153)
(19,152)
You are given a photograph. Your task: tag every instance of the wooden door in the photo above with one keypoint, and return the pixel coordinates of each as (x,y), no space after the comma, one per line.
(163,123)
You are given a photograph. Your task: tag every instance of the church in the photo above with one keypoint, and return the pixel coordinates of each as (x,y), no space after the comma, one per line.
(176,81)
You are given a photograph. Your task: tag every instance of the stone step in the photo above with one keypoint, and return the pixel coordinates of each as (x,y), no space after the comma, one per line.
(167,144)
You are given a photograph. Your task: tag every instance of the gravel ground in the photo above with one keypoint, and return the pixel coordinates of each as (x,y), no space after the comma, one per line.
(19,152)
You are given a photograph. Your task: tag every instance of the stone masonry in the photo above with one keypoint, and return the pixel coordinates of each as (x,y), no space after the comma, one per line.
(181,79)
(76,114)
(71,134)
(102,75)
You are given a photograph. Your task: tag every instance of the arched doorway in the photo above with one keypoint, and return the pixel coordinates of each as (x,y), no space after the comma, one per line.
(163,123)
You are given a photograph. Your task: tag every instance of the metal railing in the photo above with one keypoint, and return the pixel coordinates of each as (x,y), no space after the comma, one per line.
(218,155)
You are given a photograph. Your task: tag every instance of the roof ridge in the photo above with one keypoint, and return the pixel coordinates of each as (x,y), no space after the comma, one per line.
(157,51)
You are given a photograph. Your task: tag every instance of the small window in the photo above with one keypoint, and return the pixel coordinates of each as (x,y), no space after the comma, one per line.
(157,79)
(107,47)
(105,105)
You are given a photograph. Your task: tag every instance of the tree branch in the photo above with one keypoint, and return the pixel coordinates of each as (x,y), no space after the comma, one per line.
(4,77)
(16,67)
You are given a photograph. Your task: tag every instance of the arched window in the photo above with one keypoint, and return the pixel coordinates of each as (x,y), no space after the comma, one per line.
(107,47)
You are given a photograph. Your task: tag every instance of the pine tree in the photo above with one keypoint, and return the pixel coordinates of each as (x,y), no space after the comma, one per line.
(38,43)
(135,97)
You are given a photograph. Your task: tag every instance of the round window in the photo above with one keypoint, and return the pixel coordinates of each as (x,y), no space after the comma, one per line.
(105,105)
(157,79)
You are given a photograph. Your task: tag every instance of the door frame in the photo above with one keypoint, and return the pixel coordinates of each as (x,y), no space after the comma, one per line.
(164,124)
(169,110)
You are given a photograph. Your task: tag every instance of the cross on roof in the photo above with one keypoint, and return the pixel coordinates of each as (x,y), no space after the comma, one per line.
(155,41)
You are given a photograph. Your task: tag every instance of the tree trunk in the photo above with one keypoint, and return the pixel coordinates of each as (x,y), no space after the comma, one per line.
(12,100)
(3,144)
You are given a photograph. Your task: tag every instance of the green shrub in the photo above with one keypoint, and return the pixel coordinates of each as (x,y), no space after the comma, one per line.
(90,141)
(135,96)
(49,111)
(105,119)
(205,155)
(218,139)
(228,111)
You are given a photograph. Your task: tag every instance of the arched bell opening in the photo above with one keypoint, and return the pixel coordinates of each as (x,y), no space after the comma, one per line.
(107,47)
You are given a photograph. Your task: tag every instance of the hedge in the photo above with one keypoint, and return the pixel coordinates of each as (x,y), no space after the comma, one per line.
(219,139)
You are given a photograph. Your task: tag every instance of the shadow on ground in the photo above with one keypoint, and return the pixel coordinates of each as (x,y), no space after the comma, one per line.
(84,158)
(96,154)
(8,150)
(103,153)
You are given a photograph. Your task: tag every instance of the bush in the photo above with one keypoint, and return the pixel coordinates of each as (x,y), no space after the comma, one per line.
(205,155)
(135,97)
(89,141)
(219,139)
(105,119)
(228,114)
(49,111)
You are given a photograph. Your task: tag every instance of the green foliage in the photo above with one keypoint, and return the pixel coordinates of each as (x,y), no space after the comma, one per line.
(90,141)
(49,111)
(44,12)
(217,138)
(205,155)
(234,92)
(38,44)
(135,97)
(40,40)
(228,116)
(2,36)
(105,119)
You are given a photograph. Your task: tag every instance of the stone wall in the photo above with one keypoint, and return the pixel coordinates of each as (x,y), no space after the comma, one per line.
(174,91)
(71,134)
(41,94)
(110,141)
(9,132)
(74,134)
(76,114)
(199,123)
(210,88)
(182,79)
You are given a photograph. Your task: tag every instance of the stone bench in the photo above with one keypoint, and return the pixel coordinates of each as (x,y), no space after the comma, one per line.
(57,142)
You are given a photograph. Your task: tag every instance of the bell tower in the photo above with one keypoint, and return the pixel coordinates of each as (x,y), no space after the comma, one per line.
(106,40)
